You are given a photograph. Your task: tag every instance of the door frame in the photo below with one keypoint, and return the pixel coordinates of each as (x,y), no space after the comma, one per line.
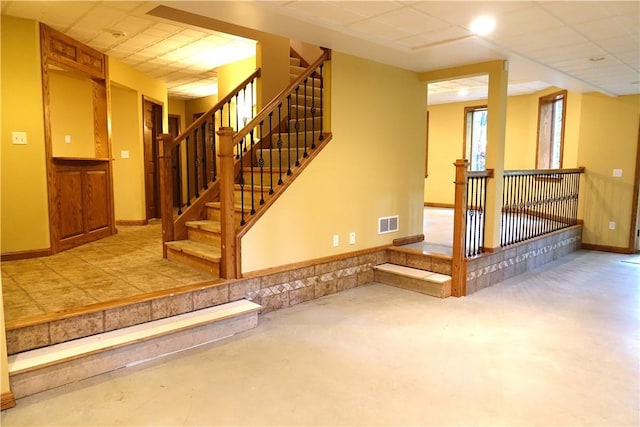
(157,121)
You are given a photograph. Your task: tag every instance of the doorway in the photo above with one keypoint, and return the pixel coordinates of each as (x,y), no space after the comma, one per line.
(151,128)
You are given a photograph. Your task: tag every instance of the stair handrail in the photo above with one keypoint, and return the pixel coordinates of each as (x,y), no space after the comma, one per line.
(273,104)
(200,120)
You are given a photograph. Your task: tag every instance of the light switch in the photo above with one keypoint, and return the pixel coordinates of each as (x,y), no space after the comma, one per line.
(19,138)
(124,154)
(617,173)
(67,139)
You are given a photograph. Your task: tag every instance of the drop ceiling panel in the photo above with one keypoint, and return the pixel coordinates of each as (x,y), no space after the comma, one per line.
(367,9)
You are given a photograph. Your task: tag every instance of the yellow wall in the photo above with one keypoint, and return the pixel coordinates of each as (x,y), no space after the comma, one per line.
(128,179)
(446,139)
(71,113)
(198,105)
(23,177)
(369,170)
(176,107)
(128,174)
(601,133)
(608,140)
(4,366)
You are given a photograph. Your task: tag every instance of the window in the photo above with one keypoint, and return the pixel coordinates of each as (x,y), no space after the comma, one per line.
(551,116)
(475,139)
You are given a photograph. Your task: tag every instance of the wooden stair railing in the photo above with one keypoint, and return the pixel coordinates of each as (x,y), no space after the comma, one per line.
(256,164)
(189,179)
(249,142)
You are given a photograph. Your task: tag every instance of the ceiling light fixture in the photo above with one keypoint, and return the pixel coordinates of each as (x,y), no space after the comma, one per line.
(483,25)
(463,92)
(118,34)
(597,59)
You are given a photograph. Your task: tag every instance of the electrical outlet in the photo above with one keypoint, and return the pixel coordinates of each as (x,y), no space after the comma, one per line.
(336,240)
(352,238)
(124,154)
(617,173)
(19,138)
(67,139)
(612,225)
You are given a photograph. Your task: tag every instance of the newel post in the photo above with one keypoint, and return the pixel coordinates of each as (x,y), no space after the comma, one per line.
(166,189)
(227,216)
(458,263)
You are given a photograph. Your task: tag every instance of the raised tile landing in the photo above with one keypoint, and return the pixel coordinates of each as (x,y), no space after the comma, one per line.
(126,265)
(413,279)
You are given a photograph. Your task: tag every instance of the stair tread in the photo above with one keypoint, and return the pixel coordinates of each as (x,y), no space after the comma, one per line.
(200,250)
(413,273)
(33,359)
(205,224)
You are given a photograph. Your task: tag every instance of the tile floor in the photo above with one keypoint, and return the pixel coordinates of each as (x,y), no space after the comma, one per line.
(557,346)
(127,264)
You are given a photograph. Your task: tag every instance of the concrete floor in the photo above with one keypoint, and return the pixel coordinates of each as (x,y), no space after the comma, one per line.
(556,346)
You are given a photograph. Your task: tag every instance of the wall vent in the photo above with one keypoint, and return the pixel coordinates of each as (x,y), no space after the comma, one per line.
(388,224)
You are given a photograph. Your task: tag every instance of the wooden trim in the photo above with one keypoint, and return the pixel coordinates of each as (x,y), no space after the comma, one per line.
(7,400)
(468,110)
(426,151)
(33,253)
(634,204)
(458,261)
(228,266)
(546,100)
(604,248)
(439,205)
(312,262)
(132,222)
(408,240)
(526,172)
(413,252)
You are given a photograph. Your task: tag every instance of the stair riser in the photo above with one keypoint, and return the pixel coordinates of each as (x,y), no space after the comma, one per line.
(316,81)
(32,382)
(294,61)
(289,139)
(439,290)
(306,125)
(193,261)
(266,179)
(203,236)
(213,214)
(237,196)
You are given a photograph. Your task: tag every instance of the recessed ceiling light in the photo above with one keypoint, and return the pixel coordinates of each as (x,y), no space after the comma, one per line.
(483,25)
(463,92)
(597,59)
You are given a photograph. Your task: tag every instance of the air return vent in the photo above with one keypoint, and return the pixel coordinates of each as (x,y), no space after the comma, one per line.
(388,224)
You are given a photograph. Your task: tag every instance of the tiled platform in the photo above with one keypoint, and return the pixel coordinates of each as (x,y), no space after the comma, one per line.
(125,265)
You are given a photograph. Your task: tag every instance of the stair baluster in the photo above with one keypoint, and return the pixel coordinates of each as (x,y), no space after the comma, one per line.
(280,143)
(203,137)
(305,154)
(270,154)
(261,166)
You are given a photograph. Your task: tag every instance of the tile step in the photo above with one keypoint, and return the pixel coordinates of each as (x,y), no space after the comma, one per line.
(413,273)
(45,368)
(196,249)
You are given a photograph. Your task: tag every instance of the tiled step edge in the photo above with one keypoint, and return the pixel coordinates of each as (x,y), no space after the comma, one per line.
(49,367)
(426,282)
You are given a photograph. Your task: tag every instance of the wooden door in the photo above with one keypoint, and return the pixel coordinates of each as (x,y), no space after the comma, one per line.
(174,131)
(152,127)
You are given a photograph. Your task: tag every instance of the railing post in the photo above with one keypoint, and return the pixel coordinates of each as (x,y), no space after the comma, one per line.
(166,189)
(227,216)
(458,263)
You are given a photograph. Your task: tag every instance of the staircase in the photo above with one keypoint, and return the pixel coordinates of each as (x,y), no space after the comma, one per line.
(265,170)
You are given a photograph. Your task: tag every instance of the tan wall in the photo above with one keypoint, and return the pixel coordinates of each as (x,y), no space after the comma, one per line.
(128,174)
(309,52)
(608,140)
(71,113)
(4,365)
(23,196)
(372,168)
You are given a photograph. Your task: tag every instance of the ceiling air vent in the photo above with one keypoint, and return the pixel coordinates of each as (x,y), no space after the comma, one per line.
(388,224)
